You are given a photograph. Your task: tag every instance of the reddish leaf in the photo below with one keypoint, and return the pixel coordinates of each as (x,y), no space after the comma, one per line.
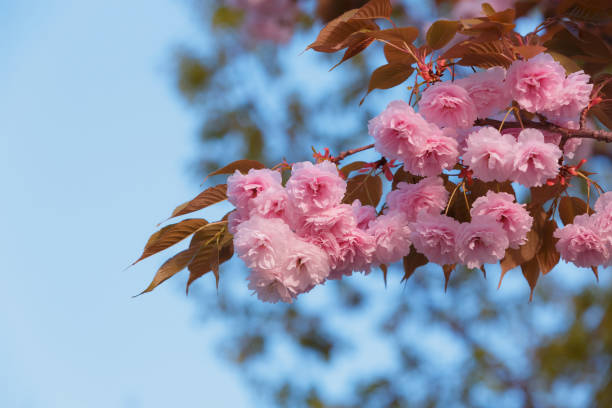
(384,270)
(529,51)
(170,268)
(540,195)
(206,198)
(170,235)
(208,259)
(393,55)
(595,271)
(366,188)
(441,32)
(487,9)
(374,9)
(448,269)
(354,166)
(358,43)
(335,35)
(400,37)
(531,272)
(548,256)
(241,165)
(388,76)
(411,262)
(402,175)
(570,207)
(525,253)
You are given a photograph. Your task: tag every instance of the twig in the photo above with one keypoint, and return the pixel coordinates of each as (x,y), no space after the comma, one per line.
(565,133)
(345,153)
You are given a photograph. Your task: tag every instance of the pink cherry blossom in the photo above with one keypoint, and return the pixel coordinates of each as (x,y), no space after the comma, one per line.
(234,219)
(447,104)
(263,243)
(428,195)
(268,20)
(435,237)
(574,97)
(487,90)
(356,251)
(603,203)
(243,188)
(392,236)
(436,153)
(270,286)
(307,265)
(481,241)
(536,84)
(316,187)
(364,214)
(535,161)
(513,217)
(271,203)
(490,155)
(336,220)
(581,244)
(398,130)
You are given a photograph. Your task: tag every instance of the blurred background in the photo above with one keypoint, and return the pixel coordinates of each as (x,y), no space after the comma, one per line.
(112,112)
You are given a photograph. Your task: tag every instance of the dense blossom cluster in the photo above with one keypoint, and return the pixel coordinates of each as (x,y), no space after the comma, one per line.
(297,236)
(441,133)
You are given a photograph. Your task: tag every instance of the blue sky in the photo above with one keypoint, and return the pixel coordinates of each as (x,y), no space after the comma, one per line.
(94,148)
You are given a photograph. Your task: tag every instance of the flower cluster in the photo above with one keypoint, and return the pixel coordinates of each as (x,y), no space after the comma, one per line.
(441,133)
(299,235)
(587,242)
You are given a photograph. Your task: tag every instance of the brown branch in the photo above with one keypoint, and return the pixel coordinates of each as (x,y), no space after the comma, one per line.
(565,133)
(345,153)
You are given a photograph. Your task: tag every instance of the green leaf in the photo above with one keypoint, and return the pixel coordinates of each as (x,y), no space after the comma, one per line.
(441,32)
(170,235)
(364,187)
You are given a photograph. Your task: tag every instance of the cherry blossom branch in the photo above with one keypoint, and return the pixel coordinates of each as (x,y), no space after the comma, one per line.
(345,153)
(565,133)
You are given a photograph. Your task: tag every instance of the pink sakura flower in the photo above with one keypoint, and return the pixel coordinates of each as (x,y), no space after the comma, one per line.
(356,251)
(392,236)
(307,265)
(234,219)
(513,217)
(604,203)
(481,241)
(313,188)
(447,104)
(536,84)
(573,98)
(431,156)
(270,286)
(428,195)
(271,203)
(337,220)
(399,130)
(581,244)
(364,214)
(268,20)
(551,137)
(490,155)
(435,237)
(263,243)
(487,90)
(535,161)
(243,188)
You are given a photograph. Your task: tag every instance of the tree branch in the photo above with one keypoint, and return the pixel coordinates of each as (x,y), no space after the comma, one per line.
(345,153)
(565,133)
